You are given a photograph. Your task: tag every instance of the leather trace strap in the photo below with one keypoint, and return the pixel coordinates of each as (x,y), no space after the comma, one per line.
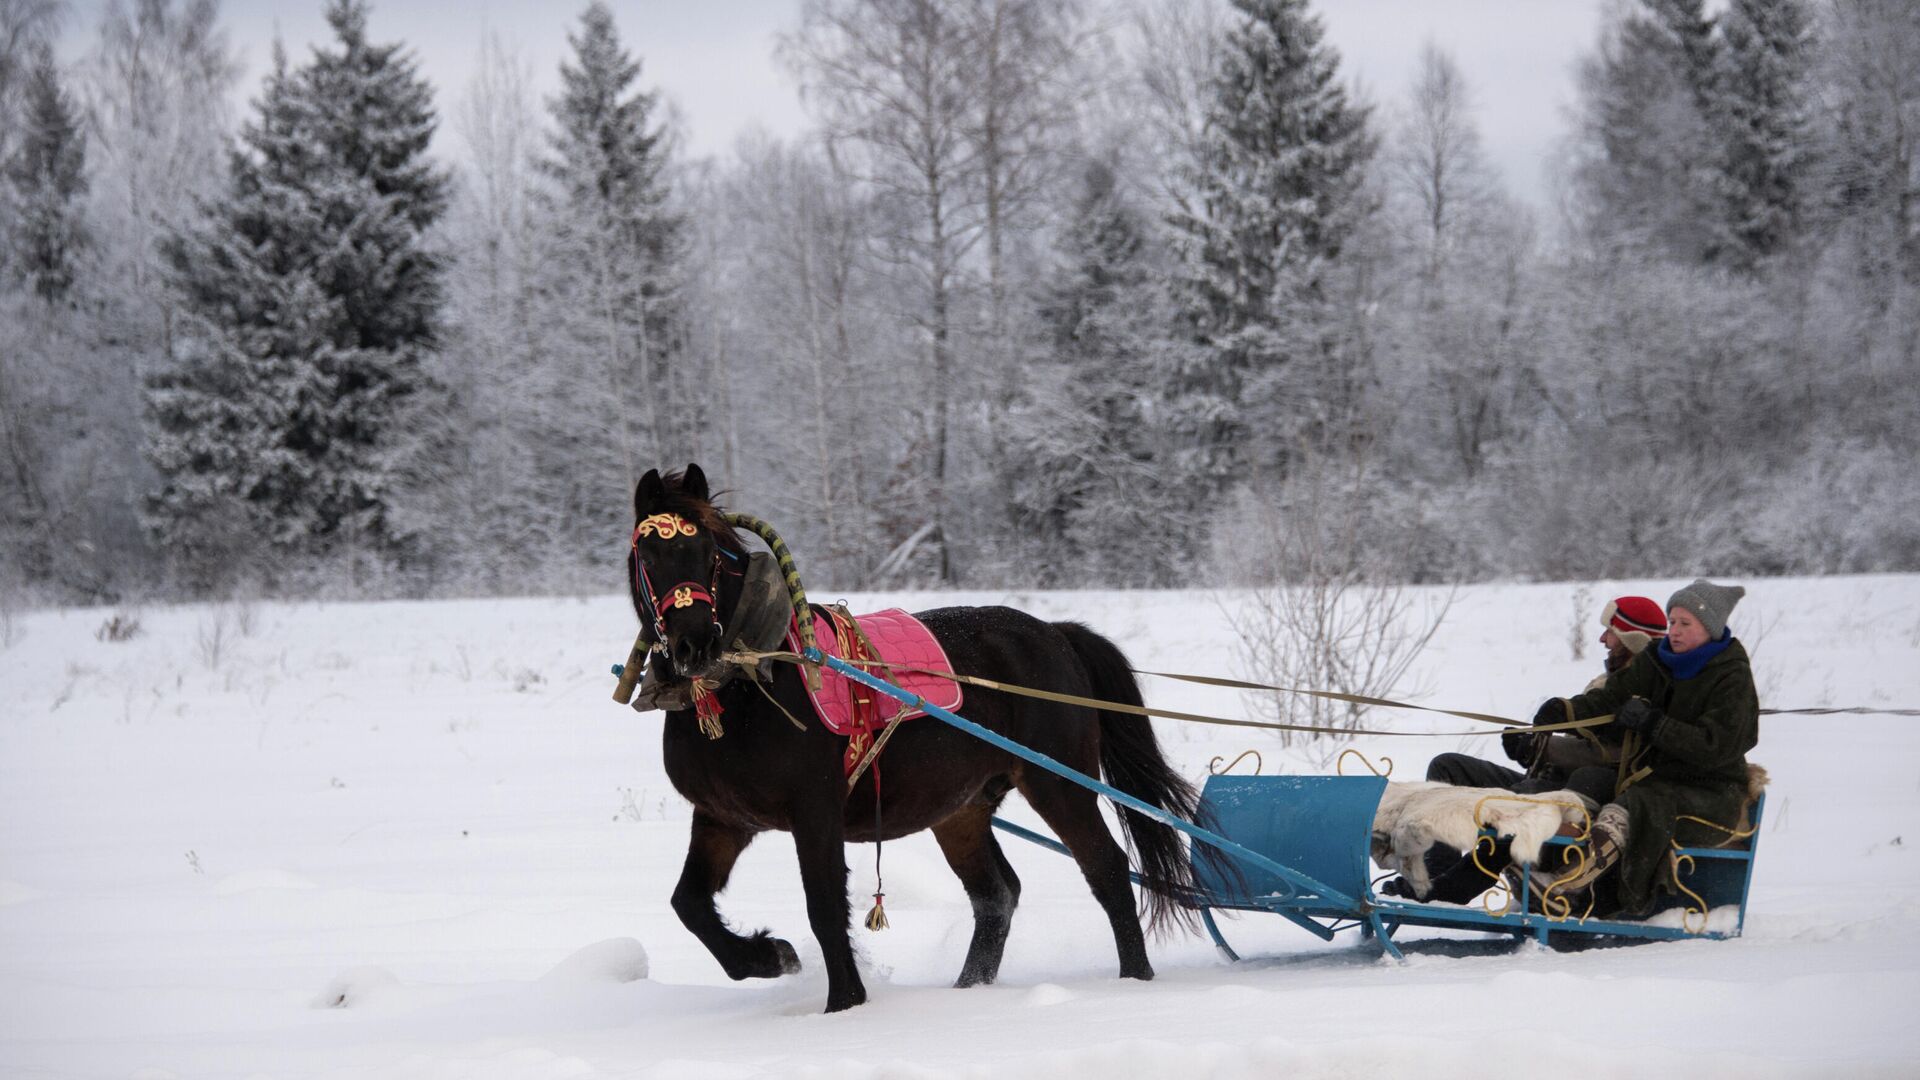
(753,656)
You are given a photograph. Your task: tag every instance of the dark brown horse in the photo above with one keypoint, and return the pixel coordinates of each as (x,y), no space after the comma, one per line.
(763,773)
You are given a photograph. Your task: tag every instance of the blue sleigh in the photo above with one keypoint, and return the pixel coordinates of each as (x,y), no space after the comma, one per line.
(1315,830)
(1320,826)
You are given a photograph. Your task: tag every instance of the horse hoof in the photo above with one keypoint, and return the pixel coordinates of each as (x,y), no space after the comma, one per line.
(766,957)
(1144,973)
(788,959)
(843,1002)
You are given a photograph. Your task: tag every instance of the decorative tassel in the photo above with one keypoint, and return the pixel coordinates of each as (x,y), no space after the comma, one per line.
(707,708)
(877,918)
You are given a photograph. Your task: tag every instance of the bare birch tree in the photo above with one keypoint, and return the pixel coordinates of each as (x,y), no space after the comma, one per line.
(897,78)
(1024,96)
(1471,249)
(792,256)
(1435,158)
(1174,47)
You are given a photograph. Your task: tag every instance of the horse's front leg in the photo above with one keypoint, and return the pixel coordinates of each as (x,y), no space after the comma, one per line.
(711,853)
(819,839)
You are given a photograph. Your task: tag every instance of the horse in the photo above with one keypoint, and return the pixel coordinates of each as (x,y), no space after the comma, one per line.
(764,772)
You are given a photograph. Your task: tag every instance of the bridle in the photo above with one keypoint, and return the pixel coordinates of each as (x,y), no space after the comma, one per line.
(683,594)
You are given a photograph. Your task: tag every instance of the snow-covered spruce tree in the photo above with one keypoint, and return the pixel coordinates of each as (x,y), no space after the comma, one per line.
(1276,195)
(50,445)
(618,247)
(1647,153)
(309,301)
(46,183)
(25,26)
(1085,439)
(222,427)
(1763,119)
(372,115)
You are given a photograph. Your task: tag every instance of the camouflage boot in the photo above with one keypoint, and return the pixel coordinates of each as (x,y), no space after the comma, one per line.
(1565,891)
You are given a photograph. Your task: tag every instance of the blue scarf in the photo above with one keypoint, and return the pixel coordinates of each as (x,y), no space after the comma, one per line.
(1686,665)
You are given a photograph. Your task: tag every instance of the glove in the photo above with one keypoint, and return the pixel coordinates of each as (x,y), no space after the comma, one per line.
(1521,746)
(1551,711)
(1637,715)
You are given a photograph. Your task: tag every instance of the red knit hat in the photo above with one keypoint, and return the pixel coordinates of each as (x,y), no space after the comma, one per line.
(1636,620)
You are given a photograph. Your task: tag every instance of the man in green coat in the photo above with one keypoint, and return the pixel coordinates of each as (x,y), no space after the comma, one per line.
(1689,714)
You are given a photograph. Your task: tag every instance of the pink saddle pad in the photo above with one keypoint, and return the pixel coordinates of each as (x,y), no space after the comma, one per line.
(899,638)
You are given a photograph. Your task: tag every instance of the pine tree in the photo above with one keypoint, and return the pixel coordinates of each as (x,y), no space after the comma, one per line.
(1279,192)
(1683,33)
(620,241)
(1647,98)
(1700,128)
(1085,438)
(46,180)
(373,117)
(222,428)
(1763,118)
(310,302)
(26,26)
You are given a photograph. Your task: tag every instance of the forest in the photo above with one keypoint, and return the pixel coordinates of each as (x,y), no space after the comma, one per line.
(1052,293)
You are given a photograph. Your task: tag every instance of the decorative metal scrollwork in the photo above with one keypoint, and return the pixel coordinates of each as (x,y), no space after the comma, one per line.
(1678,856)
(1340,763)
(1214,768)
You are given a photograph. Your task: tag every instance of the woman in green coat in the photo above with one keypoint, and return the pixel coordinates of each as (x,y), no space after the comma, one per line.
(1689,713)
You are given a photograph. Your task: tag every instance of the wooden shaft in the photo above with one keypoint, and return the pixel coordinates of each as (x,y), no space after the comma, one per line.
(630,674)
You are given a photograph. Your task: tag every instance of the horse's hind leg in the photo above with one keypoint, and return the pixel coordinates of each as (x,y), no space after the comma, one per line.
(1074,815)
(966,839)
(711,853)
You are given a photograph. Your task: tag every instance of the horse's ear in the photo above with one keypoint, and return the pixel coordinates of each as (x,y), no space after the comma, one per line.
(694,482)
(648,493)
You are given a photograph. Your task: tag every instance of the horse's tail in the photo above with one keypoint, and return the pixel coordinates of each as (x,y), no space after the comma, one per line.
(1131,759)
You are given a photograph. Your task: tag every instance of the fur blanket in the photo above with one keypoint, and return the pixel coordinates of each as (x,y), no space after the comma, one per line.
(1412,817)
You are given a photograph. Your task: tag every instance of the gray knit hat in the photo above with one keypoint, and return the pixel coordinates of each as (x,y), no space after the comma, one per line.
(1710,603)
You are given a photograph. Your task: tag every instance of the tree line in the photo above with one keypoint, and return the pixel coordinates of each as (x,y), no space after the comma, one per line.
(1054,292)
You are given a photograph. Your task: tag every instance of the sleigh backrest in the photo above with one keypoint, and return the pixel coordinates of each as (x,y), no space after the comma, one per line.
(1316,825)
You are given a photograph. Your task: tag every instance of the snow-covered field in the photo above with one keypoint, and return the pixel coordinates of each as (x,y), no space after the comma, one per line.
(432,811)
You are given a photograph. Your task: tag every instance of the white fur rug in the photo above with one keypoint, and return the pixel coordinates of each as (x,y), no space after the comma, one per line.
(1414,816)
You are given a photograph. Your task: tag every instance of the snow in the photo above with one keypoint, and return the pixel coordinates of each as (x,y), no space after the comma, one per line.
(419,840)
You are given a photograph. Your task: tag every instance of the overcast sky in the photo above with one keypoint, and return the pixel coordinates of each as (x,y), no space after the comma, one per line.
(715,60)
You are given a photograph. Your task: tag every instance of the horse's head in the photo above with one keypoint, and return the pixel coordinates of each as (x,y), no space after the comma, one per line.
(674,567)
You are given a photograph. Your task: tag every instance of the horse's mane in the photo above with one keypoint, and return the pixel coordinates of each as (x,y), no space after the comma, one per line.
(702,512)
